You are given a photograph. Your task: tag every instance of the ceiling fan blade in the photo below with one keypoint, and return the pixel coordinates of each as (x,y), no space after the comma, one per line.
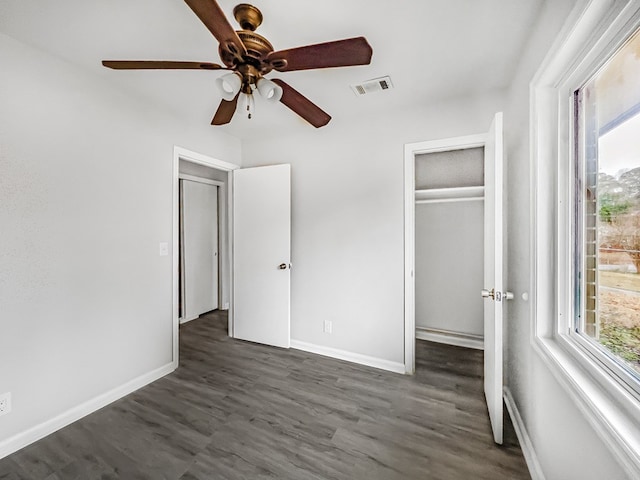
(302,105)
(210,13)
(341,53)
(160,64)
(225,111)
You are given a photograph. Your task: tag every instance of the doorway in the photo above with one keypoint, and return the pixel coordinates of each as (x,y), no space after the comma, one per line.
(493,292)
(449,228)
(198,245)
(436,192)
(254,246)
(195,166)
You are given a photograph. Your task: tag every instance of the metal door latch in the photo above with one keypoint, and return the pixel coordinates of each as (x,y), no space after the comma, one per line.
(497,296)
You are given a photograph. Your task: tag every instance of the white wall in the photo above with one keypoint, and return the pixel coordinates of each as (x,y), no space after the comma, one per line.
(347,219)
(566,446)
(450,169)
(449,266)
(85,199)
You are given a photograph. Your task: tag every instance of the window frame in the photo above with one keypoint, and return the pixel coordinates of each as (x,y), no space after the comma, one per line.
(578,165)
(595,30)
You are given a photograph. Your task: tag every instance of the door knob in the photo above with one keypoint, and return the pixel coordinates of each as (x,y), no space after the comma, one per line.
(282,266)
(497,296)
(488,293)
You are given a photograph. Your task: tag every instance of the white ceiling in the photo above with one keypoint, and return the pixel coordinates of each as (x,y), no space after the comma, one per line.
(432,49)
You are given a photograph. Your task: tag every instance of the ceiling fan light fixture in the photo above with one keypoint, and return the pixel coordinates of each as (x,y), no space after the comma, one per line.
(229,85)
(269,90)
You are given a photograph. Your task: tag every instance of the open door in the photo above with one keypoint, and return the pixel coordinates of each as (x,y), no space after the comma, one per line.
(261,254)
(494,292)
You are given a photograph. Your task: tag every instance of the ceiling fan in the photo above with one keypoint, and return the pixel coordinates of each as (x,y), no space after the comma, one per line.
(250,57)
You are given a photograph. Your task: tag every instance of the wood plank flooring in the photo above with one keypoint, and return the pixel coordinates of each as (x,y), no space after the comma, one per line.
(236,410)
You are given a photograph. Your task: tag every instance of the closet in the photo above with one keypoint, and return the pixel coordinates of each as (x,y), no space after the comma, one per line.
(449,226)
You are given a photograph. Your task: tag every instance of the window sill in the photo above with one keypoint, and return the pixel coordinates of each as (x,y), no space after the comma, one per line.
(610,409)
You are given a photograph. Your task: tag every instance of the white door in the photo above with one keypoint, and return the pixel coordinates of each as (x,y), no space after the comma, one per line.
(261,254)
(494,292)
(200,233)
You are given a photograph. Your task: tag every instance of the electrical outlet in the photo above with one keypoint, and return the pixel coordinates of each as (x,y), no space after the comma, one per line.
(5,403)
(328,326)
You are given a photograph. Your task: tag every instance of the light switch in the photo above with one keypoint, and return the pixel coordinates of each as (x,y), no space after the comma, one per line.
(164,249)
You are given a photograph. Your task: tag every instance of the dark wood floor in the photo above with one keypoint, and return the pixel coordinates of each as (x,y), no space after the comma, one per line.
(235,410)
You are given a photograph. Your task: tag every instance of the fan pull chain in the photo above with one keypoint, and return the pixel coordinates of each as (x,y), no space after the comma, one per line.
(249,105)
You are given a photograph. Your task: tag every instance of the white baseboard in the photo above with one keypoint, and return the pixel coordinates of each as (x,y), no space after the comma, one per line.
(535,470)
(450,338)
(349,356)
(33,434)
(185,320)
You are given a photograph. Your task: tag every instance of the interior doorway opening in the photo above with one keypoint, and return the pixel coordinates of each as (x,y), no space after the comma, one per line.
(207,182)
(199,279)
(493,291)
(444,196)
(449,256)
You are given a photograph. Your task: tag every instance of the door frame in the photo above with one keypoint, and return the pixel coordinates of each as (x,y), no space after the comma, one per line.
(180,153)
(410,152)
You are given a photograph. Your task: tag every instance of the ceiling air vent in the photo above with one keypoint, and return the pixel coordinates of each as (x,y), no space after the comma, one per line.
(376,85)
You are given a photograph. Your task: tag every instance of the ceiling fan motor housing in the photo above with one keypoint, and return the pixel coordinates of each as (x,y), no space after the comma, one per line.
(257,47)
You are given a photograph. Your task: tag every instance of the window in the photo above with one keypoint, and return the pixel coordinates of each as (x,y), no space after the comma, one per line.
(607,214)
(585,189)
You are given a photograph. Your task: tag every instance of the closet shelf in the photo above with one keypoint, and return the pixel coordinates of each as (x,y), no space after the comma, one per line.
(453,194)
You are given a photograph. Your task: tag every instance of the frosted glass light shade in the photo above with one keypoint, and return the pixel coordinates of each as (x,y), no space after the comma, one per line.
(269,90)
(229,85)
